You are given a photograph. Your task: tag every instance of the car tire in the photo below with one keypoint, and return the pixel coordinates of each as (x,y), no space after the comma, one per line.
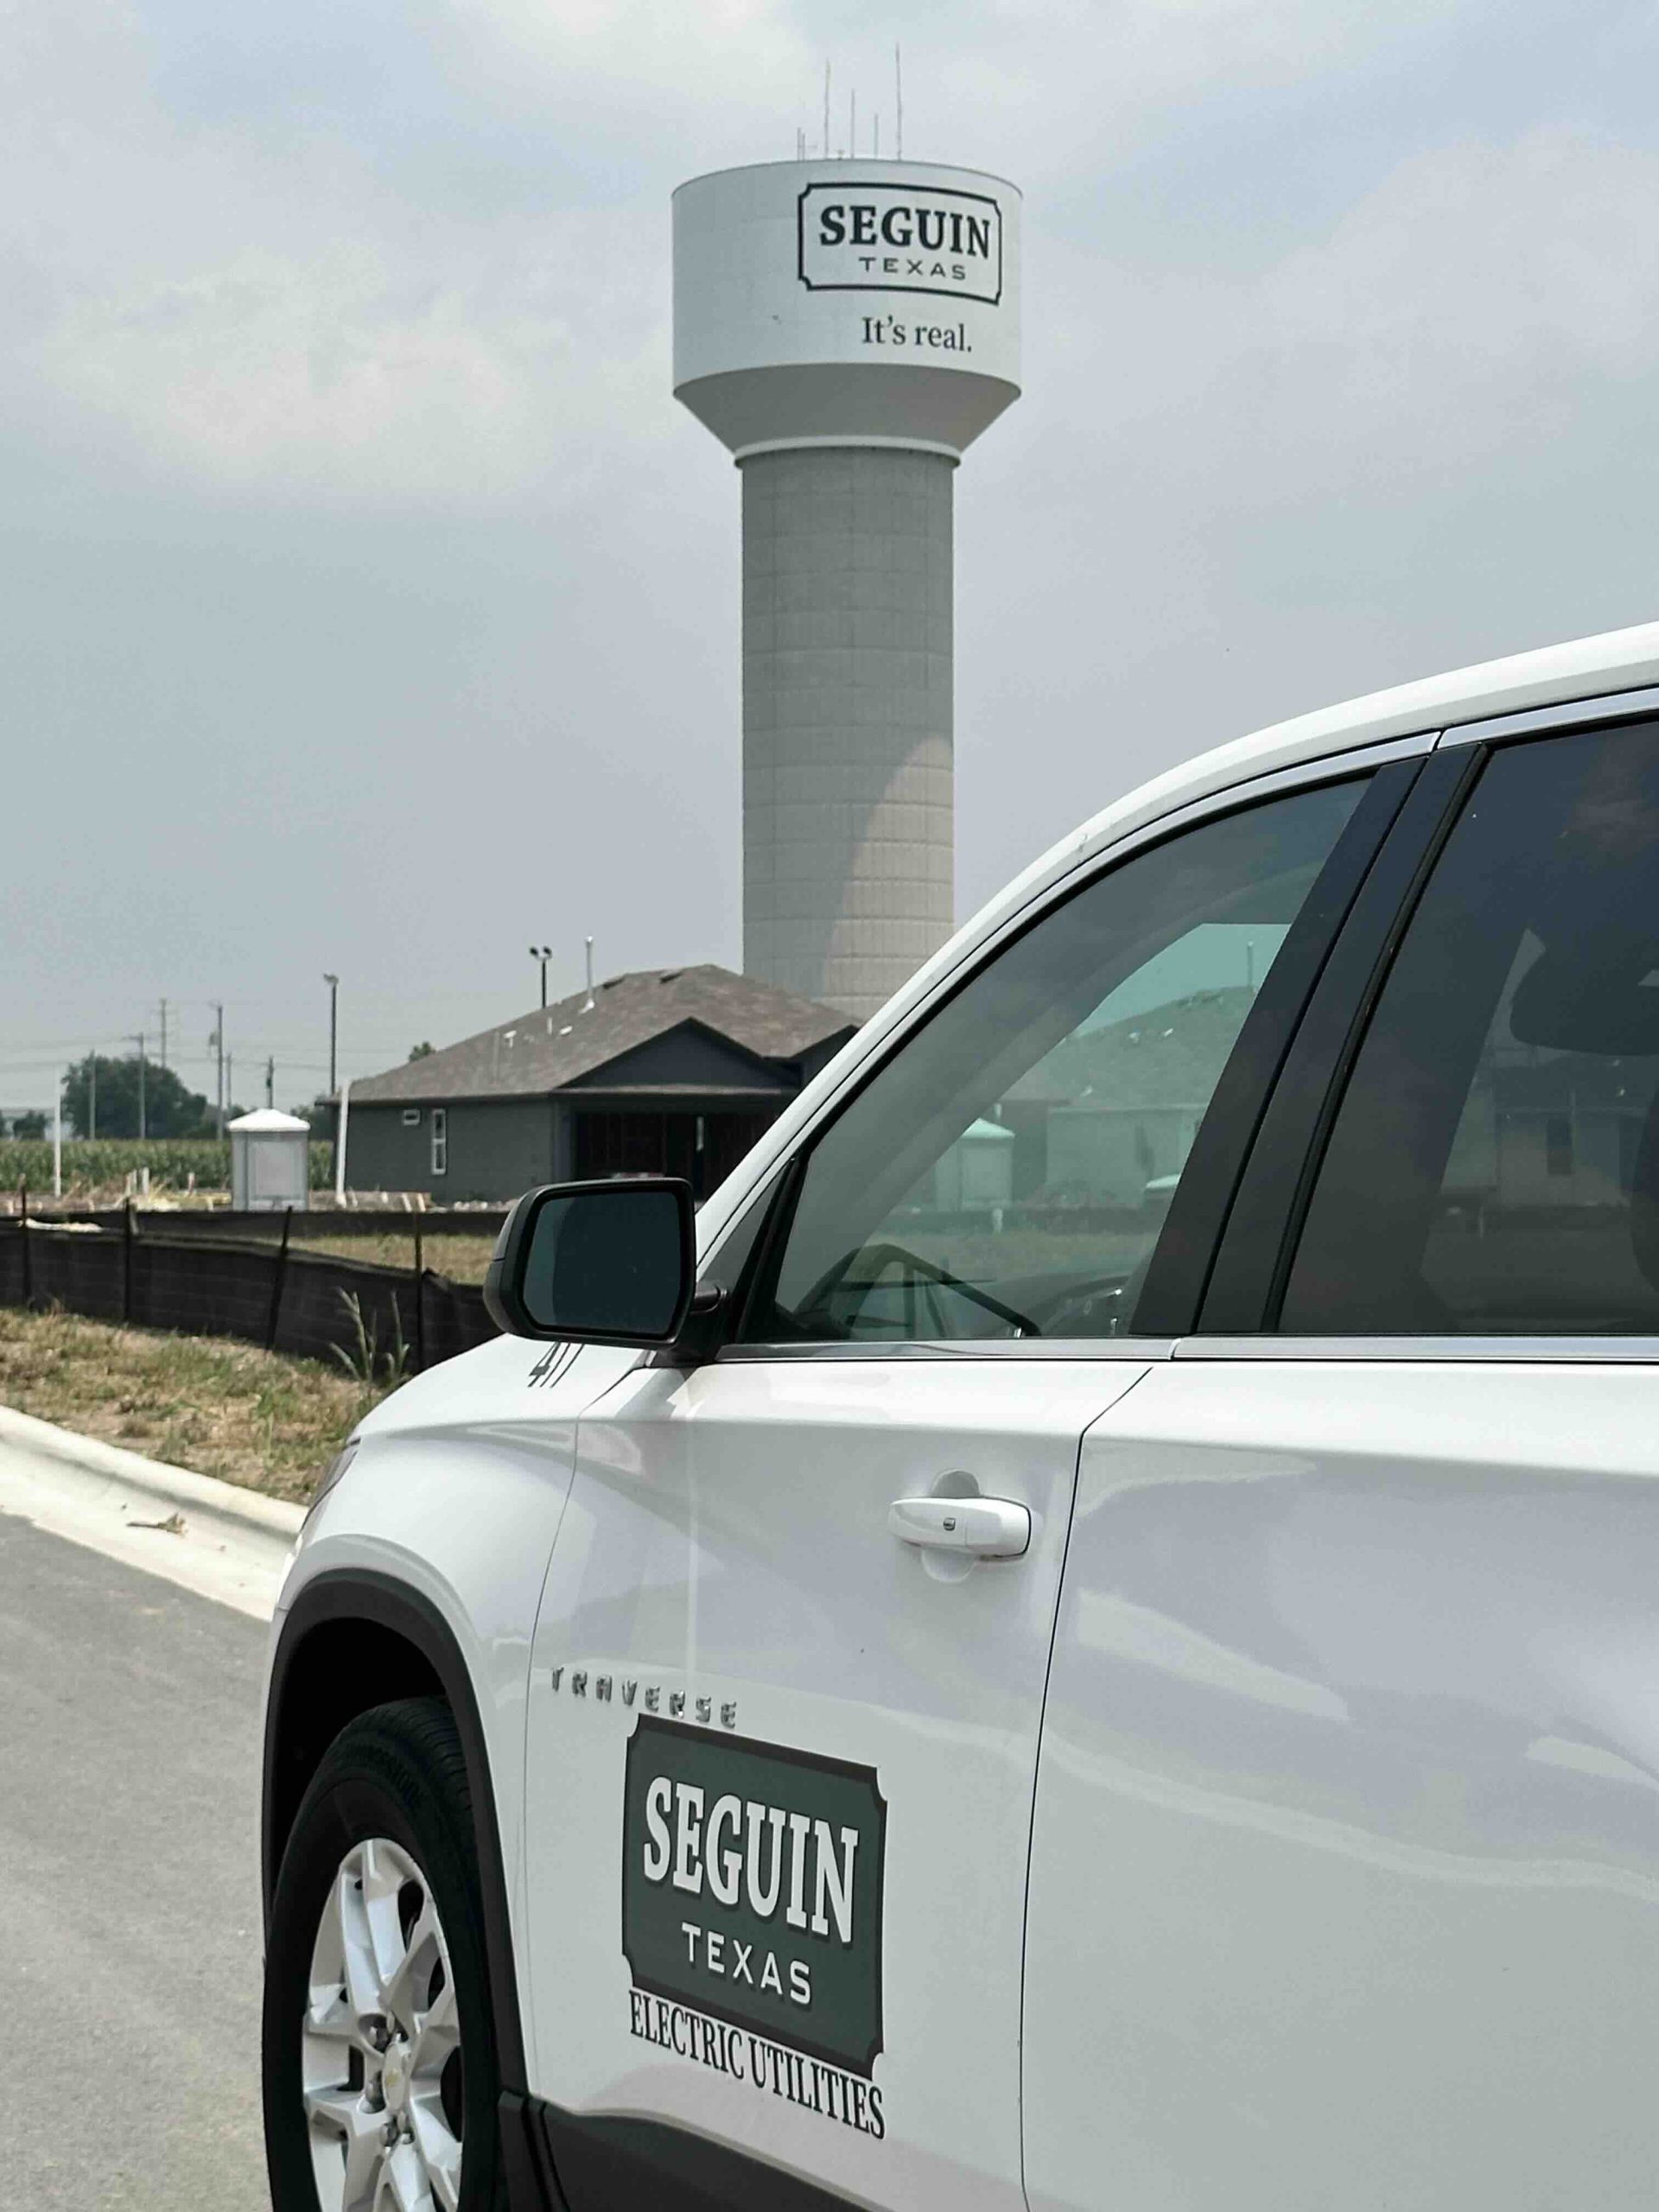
(378,2040)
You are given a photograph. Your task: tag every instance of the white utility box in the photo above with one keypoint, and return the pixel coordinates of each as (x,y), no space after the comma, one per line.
(270,1162)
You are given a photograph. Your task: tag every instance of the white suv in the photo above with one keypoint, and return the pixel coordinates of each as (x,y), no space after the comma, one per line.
(1088,1635)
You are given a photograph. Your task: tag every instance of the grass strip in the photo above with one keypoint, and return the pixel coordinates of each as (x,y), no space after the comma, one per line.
(261,1419)
(463,1259)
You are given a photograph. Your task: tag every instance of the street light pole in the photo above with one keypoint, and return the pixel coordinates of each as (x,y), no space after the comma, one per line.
(333,982)
(543,953)
(139,1041)
(217,1040)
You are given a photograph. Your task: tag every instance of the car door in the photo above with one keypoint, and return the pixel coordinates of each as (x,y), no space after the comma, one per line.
(1345,1878)
(780,1751)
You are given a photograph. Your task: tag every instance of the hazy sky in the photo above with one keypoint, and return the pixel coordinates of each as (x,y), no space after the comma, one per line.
(370,604)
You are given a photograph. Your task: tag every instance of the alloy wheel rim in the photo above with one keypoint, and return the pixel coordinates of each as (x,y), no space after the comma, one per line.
(380,2056)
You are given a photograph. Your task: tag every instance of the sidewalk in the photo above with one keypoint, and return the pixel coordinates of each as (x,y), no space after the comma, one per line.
(226,1543)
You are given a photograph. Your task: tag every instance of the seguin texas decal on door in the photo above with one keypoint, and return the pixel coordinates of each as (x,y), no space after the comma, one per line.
(752,1893)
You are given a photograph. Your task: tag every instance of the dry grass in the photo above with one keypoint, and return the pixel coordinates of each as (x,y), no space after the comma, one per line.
(249,1416)
(463,1259)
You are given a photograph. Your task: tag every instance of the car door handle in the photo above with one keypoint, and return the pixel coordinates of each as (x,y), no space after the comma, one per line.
(983,1528)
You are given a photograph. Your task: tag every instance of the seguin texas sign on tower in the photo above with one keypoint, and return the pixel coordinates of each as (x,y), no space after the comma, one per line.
(895,238)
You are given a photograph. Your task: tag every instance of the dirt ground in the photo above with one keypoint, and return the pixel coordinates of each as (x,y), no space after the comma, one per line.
(249,1416)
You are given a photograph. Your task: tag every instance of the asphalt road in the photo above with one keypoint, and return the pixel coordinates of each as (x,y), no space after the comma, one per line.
(130,1941)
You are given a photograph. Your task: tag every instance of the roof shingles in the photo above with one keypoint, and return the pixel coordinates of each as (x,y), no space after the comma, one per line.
(547,1049)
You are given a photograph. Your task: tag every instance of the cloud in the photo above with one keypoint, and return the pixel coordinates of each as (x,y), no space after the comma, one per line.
(652,44)
(359,370)
(290,318)
(276,319)
(285,312)
(1479,299)
(1480,292)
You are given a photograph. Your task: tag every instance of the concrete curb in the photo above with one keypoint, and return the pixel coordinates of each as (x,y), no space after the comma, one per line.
(226,1543)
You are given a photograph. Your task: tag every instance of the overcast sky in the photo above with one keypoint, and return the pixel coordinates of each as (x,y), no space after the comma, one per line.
(370,604)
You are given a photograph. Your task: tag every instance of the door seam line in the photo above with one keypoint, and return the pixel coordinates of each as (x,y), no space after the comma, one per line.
(1037,1754)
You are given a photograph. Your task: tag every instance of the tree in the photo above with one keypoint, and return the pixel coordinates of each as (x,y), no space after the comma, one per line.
(420,1052)
(171,1110)
(28,1125)
(319,1112)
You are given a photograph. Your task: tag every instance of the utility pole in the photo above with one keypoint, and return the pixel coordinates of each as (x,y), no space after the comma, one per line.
(57,1142)
(217,1040)
(163,1051)
(333,982)
(92,1095)
(271,1079)
(139,1041)
(543,953)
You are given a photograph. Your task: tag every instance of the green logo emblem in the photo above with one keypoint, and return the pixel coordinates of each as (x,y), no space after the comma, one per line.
(751,1887)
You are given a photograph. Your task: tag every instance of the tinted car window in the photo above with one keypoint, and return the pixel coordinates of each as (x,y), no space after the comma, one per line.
(1006,1172)
(1494,1166)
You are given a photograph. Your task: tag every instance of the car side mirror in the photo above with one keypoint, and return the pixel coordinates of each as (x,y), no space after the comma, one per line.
(602,1263)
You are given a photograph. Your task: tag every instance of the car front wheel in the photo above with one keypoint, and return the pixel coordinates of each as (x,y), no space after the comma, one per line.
(380,2070)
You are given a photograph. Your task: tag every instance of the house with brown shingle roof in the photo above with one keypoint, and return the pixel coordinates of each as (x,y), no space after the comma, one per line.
(670,1070)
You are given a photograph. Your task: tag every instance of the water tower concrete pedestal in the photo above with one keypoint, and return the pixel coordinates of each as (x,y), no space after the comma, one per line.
(847,329)
(847,719)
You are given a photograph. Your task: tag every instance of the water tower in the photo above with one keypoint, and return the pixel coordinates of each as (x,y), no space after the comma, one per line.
(847,328)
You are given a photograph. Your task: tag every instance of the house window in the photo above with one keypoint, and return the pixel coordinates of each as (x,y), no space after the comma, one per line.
(440,1141)
(411,1117)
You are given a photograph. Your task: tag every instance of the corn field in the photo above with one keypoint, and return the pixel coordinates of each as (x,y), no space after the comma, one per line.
(98,1167)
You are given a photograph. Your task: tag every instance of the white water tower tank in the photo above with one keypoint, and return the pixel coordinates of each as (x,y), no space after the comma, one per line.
(847,328)
(270,1162)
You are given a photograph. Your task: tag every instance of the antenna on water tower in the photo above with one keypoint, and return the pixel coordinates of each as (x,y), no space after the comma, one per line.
(588,1007)
(824,149)
(898,104)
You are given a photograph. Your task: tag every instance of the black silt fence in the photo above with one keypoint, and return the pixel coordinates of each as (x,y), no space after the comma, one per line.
(219,1224)
(306,1303)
